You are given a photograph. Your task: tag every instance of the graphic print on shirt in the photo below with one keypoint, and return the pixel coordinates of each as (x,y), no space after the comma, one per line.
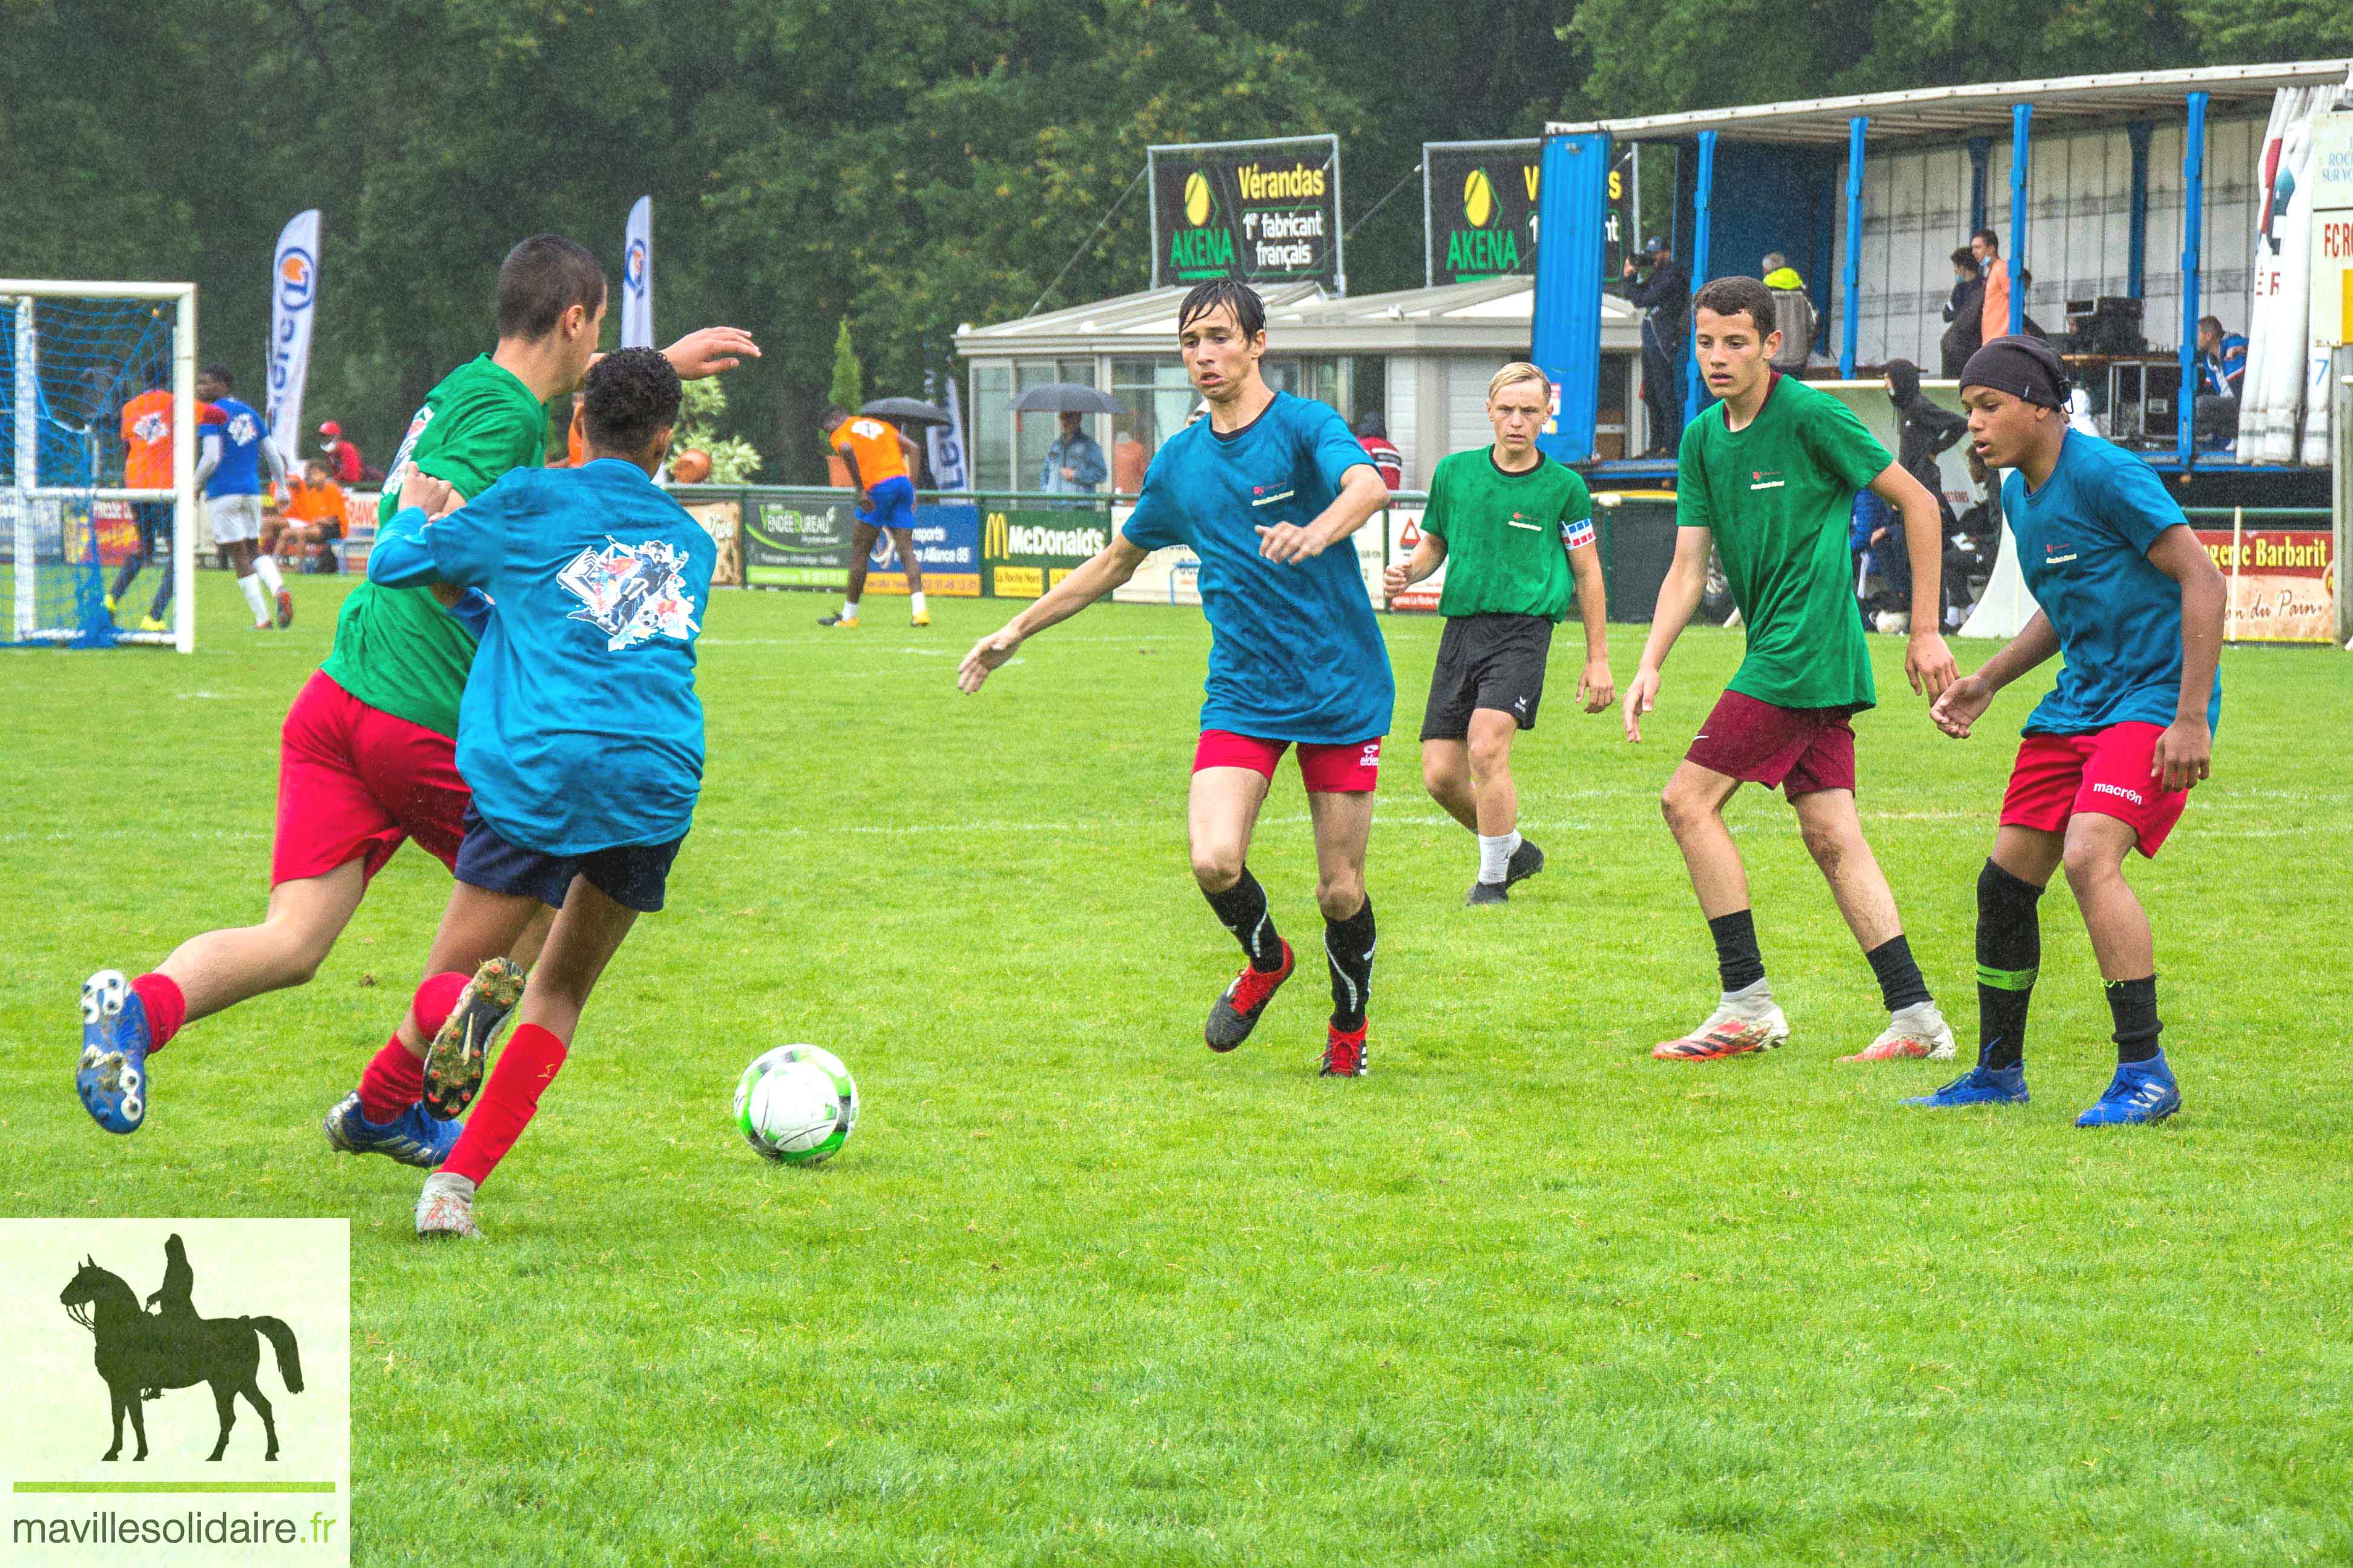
(632,593)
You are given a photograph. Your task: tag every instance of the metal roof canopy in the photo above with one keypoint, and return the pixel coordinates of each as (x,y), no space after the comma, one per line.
(1982,109)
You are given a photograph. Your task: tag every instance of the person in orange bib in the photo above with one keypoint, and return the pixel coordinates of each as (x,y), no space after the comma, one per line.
(147,465)
(880,460)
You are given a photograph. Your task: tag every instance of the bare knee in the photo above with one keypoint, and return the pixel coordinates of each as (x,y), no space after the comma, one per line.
(1685,809)
(2089,867)
(1491,755)
(1340,894)
(301,950)
(1826,843)
(1217,867)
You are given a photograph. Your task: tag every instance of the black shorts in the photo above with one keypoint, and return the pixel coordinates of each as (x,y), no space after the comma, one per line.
(1487,661)
(633,875)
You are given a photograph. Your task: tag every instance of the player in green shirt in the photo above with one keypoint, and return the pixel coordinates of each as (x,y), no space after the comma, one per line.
(1510,526)
(367,757)
(1768,478)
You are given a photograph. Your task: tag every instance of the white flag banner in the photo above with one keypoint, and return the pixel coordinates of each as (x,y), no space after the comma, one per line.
(637,278)
(2270,397)
(293,301)
(949,471)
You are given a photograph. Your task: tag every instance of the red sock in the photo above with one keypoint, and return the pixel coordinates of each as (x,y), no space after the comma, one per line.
(167,1008)
(394,1080)
(532,1058)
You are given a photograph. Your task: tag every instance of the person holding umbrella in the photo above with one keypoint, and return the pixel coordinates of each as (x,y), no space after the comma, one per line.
(1074,464)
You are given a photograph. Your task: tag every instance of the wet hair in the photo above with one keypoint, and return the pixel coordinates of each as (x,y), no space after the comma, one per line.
(219,372)
(540,279)
(633,396)
(1732,296)
(1249,309)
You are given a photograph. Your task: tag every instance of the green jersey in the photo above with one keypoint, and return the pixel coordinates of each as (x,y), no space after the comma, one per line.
(397,648)
(1507,535)
(1779,495)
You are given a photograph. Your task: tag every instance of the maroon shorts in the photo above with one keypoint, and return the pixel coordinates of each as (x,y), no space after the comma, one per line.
(1352,769)
(2111,772)
(353,782)
(1796,749)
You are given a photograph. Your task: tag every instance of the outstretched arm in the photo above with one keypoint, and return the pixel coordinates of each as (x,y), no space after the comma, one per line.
(1115,564)
(431,541)
(1596,687)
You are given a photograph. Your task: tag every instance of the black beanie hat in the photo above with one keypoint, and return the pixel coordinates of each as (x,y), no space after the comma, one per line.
(2023,367)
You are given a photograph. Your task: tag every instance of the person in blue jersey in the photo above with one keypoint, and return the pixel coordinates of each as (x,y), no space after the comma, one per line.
(580,734)
(1265,491)
(2133,603)
(233,448)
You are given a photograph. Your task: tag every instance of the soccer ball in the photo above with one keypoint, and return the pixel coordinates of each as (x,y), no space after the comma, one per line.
(796,1104)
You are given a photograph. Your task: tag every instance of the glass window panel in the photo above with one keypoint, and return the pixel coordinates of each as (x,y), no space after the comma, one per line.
(992,424)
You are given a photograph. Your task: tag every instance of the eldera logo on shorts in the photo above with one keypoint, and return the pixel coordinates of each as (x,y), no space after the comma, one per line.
(178,1383)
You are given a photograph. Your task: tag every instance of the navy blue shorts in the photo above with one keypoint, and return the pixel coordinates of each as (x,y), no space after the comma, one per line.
(894,504)
(632,875)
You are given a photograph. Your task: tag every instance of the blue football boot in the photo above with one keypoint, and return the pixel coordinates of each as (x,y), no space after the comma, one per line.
(2140,1092)
(1981,1085)
(111,1076)
(413,1137)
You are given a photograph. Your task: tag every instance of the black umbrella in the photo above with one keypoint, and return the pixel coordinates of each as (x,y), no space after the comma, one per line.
(908,411)
(1065,397)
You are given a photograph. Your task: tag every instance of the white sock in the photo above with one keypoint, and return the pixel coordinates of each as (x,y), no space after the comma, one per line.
(849,610)
(1496,855)
(1749,1000)
(252,586)
(918,601)
(266,568)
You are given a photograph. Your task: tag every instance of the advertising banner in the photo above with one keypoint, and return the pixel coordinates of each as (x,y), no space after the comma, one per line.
(1265,212)
(1479,205)
(724,521)
(293,301)
(2332,250)
(944,443)
(947,541)
(796,544)
(1405,538)
(637,278)
(1025,553)
(2271,400)
(2283,584)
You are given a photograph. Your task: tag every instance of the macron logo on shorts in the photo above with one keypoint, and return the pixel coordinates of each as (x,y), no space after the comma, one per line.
(2105,788)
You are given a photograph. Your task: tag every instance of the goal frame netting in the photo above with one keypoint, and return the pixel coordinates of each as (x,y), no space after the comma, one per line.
(23,496)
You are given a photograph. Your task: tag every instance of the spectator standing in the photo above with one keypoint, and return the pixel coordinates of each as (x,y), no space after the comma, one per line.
(1993,313)
(345,462)
(1664,296)
(1923,430)
(1373,434)
(1964,312)
(1074,464)
(1793,310)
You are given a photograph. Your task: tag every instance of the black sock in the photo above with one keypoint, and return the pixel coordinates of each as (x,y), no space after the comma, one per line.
(1900,984)
(1738,962)
(2133,1005)
(1348,949)
(1241,909)
(2010,955)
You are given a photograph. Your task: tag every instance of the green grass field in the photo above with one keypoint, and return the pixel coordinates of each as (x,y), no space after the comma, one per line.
(1080,1292)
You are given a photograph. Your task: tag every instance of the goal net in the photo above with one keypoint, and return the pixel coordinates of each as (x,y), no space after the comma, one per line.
(97,416)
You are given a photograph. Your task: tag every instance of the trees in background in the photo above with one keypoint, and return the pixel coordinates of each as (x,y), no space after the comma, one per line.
(809,169)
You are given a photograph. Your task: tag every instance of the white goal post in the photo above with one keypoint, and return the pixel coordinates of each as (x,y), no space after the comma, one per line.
(32,505)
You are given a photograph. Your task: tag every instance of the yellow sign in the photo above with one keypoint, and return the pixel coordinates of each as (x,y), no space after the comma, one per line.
(1196,199)
(1018,582)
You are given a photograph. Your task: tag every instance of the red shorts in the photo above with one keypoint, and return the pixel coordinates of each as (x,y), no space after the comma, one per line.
(354,781)
(2110,773)
(1352,769)
(1799,750)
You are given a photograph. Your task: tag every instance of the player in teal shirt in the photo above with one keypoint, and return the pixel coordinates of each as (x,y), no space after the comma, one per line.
(2132,603)
(580,733)
(1265,492)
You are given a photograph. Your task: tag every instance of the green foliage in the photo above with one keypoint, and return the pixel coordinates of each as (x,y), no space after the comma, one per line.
(1079,1292)
(733,461)
(808,175)
(848,389)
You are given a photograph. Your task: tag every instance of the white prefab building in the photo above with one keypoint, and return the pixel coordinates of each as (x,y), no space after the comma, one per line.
(1421,358)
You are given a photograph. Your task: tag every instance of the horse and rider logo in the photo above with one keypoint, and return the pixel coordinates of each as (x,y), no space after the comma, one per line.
(142,1351)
